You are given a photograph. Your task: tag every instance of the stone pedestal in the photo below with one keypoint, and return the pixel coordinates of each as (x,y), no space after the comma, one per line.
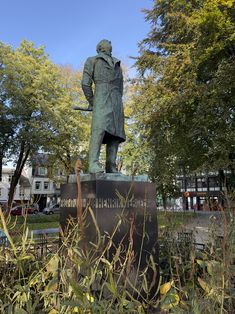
(117,201)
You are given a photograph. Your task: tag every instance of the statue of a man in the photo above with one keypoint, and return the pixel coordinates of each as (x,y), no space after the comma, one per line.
(106,102)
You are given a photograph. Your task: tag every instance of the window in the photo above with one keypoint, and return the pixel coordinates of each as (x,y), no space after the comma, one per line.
(202,184)
(42,171)
(37,185)
(60,172)
(179,183)
(21,192)
(57,186)
(213,182)
(191,183)
(9,178)
(46,185)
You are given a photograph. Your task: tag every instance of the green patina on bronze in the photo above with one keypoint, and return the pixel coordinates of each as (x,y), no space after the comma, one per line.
(106,103)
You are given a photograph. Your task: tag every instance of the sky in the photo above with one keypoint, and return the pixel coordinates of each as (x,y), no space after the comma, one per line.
(70,29)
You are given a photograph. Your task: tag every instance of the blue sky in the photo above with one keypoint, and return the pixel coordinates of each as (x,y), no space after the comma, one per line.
(70,29)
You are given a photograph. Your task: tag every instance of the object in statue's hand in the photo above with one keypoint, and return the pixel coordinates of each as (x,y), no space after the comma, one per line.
(89,108)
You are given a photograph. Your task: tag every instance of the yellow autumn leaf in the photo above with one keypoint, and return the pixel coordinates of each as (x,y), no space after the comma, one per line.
(170,300)
(228,3)
(52,285)
(165,287)
(89,297)
(53,311)
(177,300)
(52,266)
(204,285)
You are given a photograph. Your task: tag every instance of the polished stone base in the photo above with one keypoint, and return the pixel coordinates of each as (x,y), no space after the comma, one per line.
(124,208)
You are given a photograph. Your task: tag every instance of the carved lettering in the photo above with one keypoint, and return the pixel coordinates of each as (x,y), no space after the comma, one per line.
(109,203)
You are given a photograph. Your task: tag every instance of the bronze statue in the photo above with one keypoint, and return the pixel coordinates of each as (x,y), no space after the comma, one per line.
(106,103)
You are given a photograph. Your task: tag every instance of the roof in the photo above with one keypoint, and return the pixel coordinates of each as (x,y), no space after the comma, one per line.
(24,181)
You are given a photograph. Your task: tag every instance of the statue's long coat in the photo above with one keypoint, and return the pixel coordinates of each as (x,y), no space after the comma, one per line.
(108,116)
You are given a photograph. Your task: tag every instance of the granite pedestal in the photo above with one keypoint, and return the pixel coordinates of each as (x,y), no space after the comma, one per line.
(117,201)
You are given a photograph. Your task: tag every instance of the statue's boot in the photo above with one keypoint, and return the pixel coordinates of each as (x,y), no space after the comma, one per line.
(94,152)
(111,155)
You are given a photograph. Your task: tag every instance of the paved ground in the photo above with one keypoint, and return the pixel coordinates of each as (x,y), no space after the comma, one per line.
(203,223)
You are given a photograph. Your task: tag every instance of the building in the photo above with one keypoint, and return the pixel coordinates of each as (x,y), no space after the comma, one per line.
(23,188)
(45,191)
(203,191)
(34,187)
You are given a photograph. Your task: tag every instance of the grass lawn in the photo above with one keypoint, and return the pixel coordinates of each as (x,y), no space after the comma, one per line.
(174,220)
(166,219)
(34,222)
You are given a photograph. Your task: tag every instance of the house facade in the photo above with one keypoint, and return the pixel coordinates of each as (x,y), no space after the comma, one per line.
(45,191)
(34,187)
(203,191)
(23,188)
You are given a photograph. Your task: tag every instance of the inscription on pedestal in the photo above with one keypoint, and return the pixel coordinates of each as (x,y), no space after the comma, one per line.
(130,205)
(108,203)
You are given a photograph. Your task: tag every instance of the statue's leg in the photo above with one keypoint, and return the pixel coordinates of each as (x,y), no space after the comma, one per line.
(111,155)
(94,151)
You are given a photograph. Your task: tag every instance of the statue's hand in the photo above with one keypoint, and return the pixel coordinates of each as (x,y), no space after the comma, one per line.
(90,107)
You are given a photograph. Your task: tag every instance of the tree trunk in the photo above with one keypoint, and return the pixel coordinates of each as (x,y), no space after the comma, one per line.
(1,161)
(164,201)
(4,148)
(222,184)
(68,164)
(23,156)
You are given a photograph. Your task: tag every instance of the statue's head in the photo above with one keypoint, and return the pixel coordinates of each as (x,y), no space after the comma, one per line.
(104,46)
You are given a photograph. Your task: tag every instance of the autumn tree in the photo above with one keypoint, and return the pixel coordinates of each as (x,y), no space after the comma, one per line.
(70,140)
(36,100)
(6,120)
(32,91)
(133,157)
(185,90)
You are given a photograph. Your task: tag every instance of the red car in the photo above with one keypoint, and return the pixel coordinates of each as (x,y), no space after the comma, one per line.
(20,210)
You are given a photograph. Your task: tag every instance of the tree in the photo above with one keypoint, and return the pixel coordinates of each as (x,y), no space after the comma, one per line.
(133,156)
(6,121)
(32,90)
(185,93)
(70,139)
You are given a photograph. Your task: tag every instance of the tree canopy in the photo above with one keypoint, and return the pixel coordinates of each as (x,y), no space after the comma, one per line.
(185,91)
(35,103)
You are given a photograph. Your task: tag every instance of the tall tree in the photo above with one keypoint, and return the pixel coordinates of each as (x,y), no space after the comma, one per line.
(185,92)
(32,90)
(70,139)
(6,120)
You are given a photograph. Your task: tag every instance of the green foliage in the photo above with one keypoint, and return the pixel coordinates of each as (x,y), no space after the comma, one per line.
(133,154)
(78,279)
(185,96)
(35,222)
(31,90)
(196,281)
(36,99)
(174,220)
(74,279)
(71,128)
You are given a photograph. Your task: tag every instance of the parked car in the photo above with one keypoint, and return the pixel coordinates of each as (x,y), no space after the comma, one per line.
(4,205)
(21,209)
(52,209)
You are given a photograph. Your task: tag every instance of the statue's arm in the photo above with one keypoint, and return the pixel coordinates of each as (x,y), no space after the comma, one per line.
(87,81)
(121,83)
